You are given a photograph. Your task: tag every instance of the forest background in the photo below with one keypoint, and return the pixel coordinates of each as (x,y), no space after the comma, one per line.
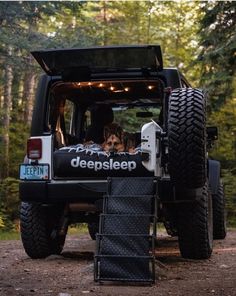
(198,37)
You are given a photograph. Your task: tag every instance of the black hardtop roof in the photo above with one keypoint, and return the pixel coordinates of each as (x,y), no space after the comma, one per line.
(99,59)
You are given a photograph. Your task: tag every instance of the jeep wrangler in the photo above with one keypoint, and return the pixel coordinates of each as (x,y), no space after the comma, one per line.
(63,181)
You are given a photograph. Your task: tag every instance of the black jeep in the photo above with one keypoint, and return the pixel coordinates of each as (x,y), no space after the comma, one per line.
(63,181)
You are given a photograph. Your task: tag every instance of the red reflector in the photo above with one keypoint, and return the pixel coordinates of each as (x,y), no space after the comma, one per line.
(34,148)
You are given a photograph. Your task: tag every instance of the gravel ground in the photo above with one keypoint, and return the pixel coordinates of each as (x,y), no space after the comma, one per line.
(71,273)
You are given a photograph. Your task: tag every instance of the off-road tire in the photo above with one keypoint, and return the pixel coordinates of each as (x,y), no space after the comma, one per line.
(39,230)
(195,227)
(170,219)
(219,217)
(93,228)
(187,138)
(170,229)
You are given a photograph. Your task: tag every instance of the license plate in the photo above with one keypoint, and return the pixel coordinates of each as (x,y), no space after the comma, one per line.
(34,172)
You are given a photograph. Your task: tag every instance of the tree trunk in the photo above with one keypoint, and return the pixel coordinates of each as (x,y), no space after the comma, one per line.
(7,106)
(149,22)
(105,24)
(28,95)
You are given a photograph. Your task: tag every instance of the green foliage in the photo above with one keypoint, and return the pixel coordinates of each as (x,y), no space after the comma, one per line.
(19,133)
(225,120)
(5,223)
(229,180)
(218,41)
(1,221)
(9,203)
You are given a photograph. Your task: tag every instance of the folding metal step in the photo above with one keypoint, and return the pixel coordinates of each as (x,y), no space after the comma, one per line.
(125,268)
(128,204)
(132,186)
(124,224)
(125,243)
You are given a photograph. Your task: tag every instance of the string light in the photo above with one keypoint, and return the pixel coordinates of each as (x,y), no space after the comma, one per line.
(126,89)
(90,83)
(112,88)
(150,87)
(101,84)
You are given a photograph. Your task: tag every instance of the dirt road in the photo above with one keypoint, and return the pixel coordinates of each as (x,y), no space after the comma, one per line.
(72,273)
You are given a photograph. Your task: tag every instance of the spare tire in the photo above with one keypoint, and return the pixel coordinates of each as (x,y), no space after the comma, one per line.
(93,228)
(187,138)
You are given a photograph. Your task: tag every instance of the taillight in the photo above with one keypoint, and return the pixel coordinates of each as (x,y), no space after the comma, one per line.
(34,148)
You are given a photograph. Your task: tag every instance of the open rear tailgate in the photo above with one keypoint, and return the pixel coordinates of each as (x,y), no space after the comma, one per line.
(100,59)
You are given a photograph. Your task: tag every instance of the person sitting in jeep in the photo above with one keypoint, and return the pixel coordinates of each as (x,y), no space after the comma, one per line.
(101,115)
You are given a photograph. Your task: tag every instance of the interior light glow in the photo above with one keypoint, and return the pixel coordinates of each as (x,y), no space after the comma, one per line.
(150,86)
(112,88)
(90,83)
(126,89)
(101,84)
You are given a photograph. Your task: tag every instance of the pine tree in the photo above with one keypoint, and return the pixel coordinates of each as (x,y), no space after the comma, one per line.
(218,56)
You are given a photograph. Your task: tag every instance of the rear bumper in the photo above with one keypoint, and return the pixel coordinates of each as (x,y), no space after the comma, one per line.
(90,191)
(58,191)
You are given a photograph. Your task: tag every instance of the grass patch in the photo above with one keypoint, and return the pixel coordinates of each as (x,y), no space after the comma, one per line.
(231,222)
(9,235)
(74,229)
(80,228)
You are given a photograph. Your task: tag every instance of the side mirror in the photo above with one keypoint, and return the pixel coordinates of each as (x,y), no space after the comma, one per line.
(212,133)
(144,114)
